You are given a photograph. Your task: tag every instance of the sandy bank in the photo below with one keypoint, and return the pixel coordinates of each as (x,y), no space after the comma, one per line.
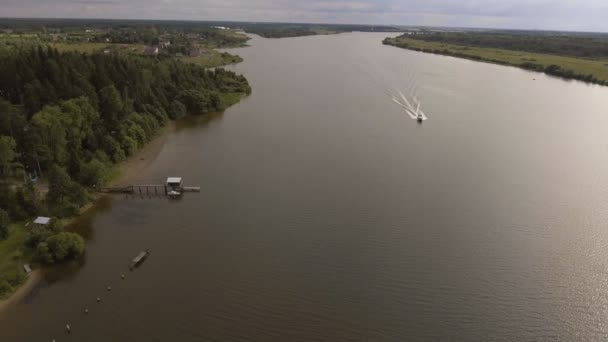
(33,279)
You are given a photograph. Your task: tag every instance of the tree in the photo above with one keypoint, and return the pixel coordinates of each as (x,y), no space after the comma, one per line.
(178,110)
(111,107)
(44,253)
(65,196)
(8,153)
(94,173)
(49,136)
(4,222)
(5,287)
(61,247)
(12,121)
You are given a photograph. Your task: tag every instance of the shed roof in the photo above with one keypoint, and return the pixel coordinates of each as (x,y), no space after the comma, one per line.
(42,220)
(172,180)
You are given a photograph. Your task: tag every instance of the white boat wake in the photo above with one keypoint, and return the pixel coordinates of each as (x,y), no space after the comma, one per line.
(412,108)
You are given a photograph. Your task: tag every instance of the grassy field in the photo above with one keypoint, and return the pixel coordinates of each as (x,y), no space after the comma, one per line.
(12,257)
(213,59)
(597,68)
(98,47)
(230,99)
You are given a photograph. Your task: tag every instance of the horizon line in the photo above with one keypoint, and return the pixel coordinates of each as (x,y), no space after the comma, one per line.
(306,23)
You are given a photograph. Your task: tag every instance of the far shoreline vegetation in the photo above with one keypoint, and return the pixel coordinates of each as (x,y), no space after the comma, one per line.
(189,43)
(70,112)
(576,56)
(289,30)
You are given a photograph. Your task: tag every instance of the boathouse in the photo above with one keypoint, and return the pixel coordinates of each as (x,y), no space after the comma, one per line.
(174,183)
(42,222)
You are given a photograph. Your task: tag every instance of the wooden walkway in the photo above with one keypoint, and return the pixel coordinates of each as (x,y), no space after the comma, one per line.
(147,189)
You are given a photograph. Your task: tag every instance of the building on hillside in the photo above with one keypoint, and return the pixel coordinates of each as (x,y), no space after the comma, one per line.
(151,50)
(164,44)
(42,222)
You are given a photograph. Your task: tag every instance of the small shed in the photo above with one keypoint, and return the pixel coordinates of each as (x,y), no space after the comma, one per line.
(175,183)
(42,222)
(27,268)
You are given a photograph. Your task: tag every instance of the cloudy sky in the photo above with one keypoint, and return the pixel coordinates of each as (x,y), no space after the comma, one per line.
(585,15)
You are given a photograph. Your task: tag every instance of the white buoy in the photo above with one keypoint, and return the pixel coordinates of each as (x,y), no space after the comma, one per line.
(98,299)
(122,276)
(68,328)
(109,288)
(86,310)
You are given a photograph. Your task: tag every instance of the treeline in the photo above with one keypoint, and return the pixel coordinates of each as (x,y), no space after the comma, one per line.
(270,32)
(550,69)
(67,117)
(591,46)
(283,30)
(151,35)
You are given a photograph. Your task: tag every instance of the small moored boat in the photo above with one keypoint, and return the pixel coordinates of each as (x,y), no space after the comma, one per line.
(174,193)
(139,259)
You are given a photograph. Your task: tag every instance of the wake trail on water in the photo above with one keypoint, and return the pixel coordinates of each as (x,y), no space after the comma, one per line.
(406,95)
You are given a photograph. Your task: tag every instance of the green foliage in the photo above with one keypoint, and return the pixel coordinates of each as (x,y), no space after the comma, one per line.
(44,253)
(5,287)
(61,247)
(198,102)
(8,153)
(65,196)
(178,110)
(4,222)
(21,202)
(36,236)
(79,104)
(95,173)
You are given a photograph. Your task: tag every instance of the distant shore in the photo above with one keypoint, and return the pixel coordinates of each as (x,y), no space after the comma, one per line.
(569,68)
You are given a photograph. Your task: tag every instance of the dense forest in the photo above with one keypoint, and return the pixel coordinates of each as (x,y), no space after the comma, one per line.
(79,112)
(585,46)
(66,118)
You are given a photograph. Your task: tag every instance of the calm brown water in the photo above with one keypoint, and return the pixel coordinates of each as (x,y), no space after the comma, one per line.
(326,214)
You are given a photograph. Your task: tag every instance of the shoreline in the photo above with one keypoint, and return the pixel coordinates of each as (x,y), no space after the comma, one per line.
(563,72)
(33,279)
(128,169)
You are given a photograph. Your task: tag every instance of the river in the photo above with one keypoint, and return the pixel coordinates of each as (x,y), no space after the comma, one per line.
(327,214)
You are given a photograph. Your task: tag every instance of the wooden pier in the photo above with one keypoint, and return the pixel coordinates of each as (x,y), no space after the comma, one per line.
(171,189)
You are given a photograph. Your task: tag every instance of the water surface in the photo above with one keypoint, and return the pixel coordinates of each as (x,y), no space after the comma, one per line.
(327,214)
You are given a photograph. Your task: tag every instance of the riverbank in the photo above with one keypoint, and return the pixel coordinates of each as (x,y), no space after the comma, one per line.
(587,70)
(22,291)
(126,171)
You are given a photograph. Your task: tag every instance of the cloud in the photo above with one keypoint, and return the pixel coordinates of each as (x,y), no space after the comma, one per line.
(546,14)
